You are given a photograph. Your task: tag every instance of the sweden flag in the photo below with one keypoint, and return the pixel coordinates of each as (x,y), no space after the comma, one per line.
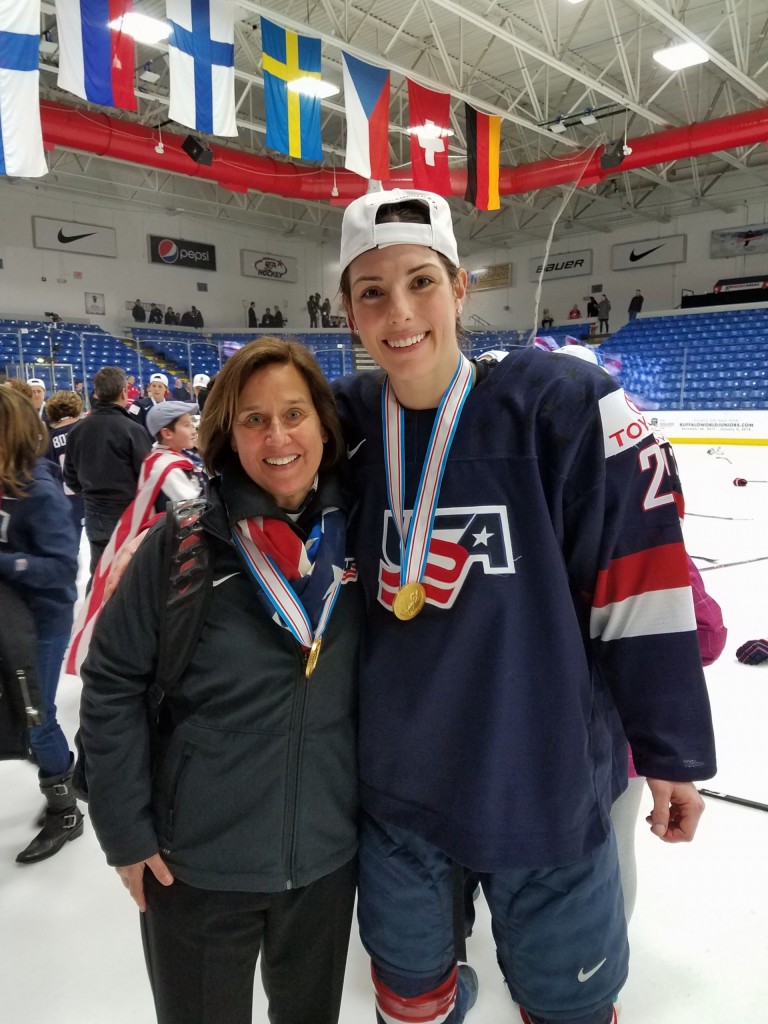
(293,120)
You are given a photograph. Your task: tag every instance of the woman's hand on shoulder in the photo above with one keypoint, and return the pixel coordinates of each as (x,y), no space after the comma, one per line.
(132,876)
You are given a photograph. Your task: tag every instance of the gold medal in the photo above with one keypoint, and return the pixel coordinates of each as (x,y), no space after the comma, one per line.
(312,656)
(409,600)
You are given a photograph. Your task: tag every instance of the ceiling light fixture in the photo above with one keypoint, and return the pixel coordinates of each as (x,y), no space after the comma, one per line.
(588,117)
(47,46)
(314,87)
(557,127)
(141,27)
(675,58)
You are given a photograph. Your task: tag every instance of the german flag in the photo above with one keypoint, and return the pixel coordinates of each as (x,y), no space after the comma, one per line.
(483,134)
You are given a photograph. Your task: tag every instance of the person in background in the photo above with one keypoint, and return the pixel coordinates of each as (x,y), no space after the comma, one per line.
(635,304)
(38,557)
(266,320)
(103,459)
(523,486)
(157,391)
(131,391)
(592,309)
(38,396)
(325,312)
(181,393)
(603,312)
(546,319)
(20,386)
(64,409)
(155,315)
(253,316)
(278,320)
(170,317)
(240,843)
(574,313)
(313,310)
(196,318)
(199,382)
(138,312)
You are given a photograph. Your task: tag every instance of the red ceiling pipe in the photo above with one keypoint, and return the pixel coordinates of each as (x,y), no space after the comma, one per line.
(107,136)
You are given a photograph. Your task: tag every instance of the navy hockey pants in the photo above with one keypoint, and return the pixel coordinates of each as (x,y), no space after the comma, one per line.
(560,933)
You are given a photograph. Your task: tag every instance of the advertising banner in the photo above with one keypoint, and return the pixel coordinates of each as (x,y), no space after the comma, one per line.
(268,267)
(739,241)
(497,275)
(564,264)
(74,236)
(650,252)
(178,252)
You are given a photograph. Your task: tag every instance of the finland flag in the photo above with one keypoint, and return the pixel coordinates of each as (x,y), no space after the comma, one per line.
(201,54)
(21,137)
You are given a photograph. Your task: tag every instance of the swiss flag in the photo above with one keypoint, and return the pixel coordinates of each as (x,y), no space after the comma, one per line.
(429,130)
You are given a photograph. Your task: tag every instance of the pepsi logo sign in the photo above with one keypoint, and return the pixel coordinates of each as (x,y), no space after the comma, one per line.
(181,253)
(168,251)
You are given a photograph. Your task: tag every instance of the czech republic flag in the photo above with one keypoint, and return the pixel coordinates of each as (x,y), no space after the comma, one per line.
(366,99)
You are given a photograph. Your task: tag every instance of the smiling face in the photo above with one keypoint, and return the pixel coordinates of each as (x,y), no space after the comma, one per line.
(404,306)
(277,433)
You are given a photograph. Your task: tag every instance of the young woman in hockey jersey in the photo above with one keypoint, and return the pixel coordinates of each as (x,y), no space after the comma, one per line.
(38,557)
(240,844)
(525,578)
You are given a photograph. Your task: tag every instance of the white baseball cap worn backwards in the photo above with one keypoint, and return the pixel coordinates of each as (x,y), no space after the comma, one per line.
(201,380)
(360,232)
(160,377)
(35,382)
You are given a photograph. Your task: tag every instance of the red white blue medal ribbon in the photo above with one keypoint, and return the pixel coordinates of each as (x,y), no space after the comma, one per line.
(414,542)
(281,594)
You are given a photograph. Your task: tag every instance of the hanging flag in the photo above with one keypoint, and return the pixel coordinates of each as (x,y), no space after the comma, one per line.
(21,137)
(201,60)
(483,135)
(293,119)
(95,61)
(430,131)
(366,100)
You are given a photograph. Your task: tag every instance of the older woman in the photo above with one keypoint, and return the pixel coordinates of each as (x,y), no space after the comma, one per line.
(38,558)
(242,838)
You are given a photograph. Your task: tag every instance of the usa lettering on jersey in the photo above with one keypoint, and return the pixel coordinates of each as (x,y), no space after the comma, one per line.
(461,537)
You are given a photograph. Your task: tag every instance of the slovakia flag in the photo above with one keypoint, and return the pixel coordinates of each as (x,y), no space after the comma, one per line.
(366,99)
(95,61)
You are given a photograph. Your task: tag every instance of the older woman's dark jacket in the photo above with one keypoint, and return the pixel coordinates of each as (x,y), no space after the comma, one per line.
(256,787)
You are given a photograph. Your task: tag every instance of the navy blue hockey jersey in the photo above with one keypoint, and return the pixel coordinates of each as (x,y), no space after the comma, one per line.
(557,593)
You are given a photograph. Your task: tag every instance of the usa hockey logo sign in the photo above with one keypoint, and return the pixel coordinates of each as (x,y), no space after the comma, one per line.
(461,538)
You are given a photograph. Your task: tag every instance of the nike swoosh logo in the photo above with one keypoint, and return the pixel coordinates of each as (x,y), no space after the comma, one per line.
(353,451)
(635,256)
(73,238)
(223,579)
(586,975)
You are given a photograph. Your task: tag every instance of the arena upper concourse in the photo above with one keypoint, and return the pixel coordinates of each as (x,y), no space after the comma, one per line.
(617,176)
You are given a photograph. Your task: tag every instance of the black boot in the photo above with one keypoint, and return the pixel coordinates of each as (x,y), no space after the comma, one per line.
(63,821)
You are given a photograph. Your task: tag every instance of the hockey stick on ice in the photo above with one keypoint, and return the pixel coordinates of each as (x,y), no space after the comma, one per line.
(727,565)
(735,799)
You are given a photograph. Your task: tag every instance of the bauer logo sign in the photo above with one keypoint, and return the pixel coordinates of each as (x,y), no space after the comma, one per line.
(268,266)
(178,252)
(563,264)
